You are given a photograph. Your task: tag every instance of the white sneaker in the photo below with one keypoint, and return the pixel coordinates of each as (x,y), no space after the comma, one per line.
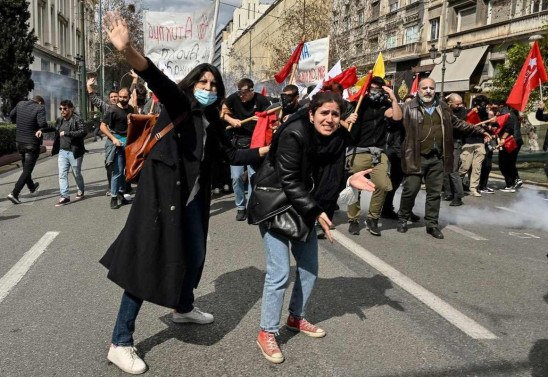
(126,358)
(508,189)
(194,316)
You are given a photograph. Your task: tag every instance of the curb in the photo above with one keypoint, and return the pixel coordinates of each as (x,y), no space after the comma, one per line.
(12,161)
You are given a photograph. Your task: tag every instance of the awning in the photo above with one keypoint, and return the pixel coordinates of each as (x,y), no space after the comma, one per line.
(457,75)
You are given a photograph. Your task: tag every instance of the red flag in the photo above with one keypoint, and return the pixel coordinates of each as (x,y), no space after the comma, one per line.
(286,69)
(415,86)
(356,96)
(263,91)
(501,121)
(346,78)
(473,117)
(531,75)
(262,134)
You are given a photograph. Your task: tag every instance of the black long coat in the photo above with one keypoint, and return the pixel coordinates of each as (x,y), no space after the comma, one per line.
(148,257)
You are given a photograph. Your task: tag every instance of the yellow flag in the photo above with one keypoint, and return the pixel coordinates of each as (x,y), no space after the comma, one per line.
(378,69)
(361,81)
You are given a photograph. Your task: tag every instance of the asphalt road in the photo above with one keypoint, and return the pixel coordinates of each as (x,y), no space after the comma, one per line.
(473,304)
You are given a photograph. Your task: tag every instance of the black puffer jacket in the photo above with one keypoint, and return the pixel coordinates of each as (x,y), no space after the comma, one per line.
(292,154)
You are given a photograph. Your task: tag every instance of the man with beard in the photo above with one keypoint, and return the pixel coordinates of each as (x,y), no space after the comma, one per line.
(427,152)
(379,108)
(114,126)
(452,182)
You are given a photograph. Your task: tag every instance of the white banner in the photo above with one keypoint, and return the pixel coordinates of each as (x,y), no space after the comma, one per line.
(178,42)
(312,66)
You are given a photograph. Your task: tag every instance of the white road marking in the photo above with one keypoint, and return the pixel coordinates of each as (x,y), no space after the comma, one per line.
(465,233)
(16,273)
(458,319)
(522,235)
(507,209)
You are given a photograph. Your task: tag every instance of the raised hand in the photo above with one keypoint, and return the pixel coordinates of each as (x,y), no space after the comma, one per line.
(117,31)
(358,181)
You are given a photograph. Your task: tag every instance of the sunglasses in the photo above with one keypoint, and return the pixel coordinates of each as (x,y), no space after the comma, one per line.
(64,108)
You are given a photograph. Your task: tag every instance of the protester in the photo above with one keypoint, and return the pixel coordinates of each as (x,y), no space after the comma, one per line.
(427,153)
(160,253)
(543,118)
(394,139)
(452,181)
(103,106)
(239,106)
(378,111)
(69,143)
(473,150)
(287,174)
(114,126)
(29,117)
(490,146)
(508,159)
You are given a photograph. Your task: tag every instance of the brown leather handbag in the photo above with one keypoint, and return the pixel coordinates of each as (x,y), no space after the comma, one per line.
(140,142)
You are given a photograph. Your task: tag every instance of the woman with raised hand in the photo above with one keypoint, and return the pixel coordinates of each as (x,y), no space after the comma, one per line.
(159,255)
(283,205)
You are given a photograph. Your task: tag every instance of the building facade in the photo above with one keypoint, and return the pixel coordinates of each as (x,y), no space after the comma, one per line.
(58,53)
(406,30)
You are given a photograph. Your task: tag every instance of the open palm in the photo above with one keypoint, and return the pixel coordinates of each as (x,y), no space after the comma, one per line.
(117,30)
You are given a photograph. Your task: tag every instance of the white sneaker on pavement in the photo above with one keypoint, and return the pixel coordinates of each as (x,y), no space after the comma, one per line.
(126,358)
(194,316)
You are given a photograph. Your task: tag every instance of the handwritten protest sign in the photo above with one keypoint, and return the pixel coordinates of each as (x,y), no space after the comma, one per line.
(177,42)
(313,63)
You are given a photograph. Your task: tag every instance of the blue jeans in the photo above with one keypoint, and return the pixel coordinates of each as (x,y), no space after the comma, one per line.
(236,173)
(277,276)
(193,234)
(118,180)
(65,162)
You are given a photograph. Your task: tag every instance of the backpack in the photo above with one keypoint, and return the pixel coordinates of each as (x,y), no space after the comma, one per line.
(140,142)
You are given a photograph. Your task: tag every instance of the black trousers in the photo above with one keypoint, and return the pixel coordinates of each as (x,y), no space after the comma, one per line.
(432,171)
(486,167)
(507,166)
(396,177)
(29,155)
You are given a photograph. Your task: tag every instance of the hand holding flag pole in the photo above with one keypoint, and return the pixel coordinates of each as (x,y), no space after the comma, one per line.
(252,118)
(361,94)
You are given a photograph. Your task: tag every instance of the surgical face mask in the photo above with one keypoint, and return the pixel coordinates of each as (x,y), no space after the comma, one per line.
(205,97)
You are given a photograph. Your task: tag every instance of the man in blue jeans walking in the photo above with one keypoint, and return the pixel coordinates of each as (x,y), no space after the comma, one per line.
(69,143)
(114,126)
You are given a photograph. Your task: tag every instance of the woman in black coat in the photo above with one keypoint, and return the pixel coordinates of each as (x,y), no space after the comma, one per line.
(283,202)
(159,255)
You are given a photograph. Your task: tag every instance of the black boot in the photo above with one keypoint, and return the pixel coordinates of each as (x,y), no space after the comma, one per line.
(373,226)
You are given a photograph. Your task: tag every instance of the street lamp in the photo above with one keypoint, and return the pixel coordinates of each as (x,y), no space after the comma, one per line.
(434,54)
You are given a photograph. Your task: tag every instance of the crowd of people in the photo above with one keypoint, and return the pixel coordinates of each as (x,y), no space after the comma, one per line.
(320,147)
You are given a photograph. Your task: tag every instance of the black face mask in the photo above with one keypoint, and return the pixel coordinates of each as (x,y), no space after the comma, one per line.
(288,106)
(377,96)
(123,102)
(482,113)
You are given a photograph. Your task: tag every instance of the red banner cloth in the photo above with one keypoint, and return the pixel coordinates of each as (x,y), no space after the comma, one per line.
(531,75)
(262,134)
(346,78)
(286,69)
(473,117)
(415,86)
(501,121)
(356,96)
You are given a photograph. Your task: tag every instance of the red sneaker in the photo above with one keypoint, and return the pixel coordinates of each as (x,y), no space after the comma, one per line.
(302,325)
(269,347)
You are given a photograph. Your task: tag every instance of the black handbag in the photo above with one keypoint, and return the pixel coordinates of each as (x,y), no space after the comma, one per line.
(268,205)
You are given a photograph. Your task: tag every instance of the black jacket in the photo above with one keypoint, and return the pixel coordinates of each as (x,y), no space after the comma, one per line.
(29,116)
(77,133)
(292,154)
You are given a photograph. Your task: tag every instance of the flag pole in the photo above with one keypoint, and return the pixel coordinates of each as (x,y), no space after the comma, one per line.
(292,77)
(540,87)
(360,101)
